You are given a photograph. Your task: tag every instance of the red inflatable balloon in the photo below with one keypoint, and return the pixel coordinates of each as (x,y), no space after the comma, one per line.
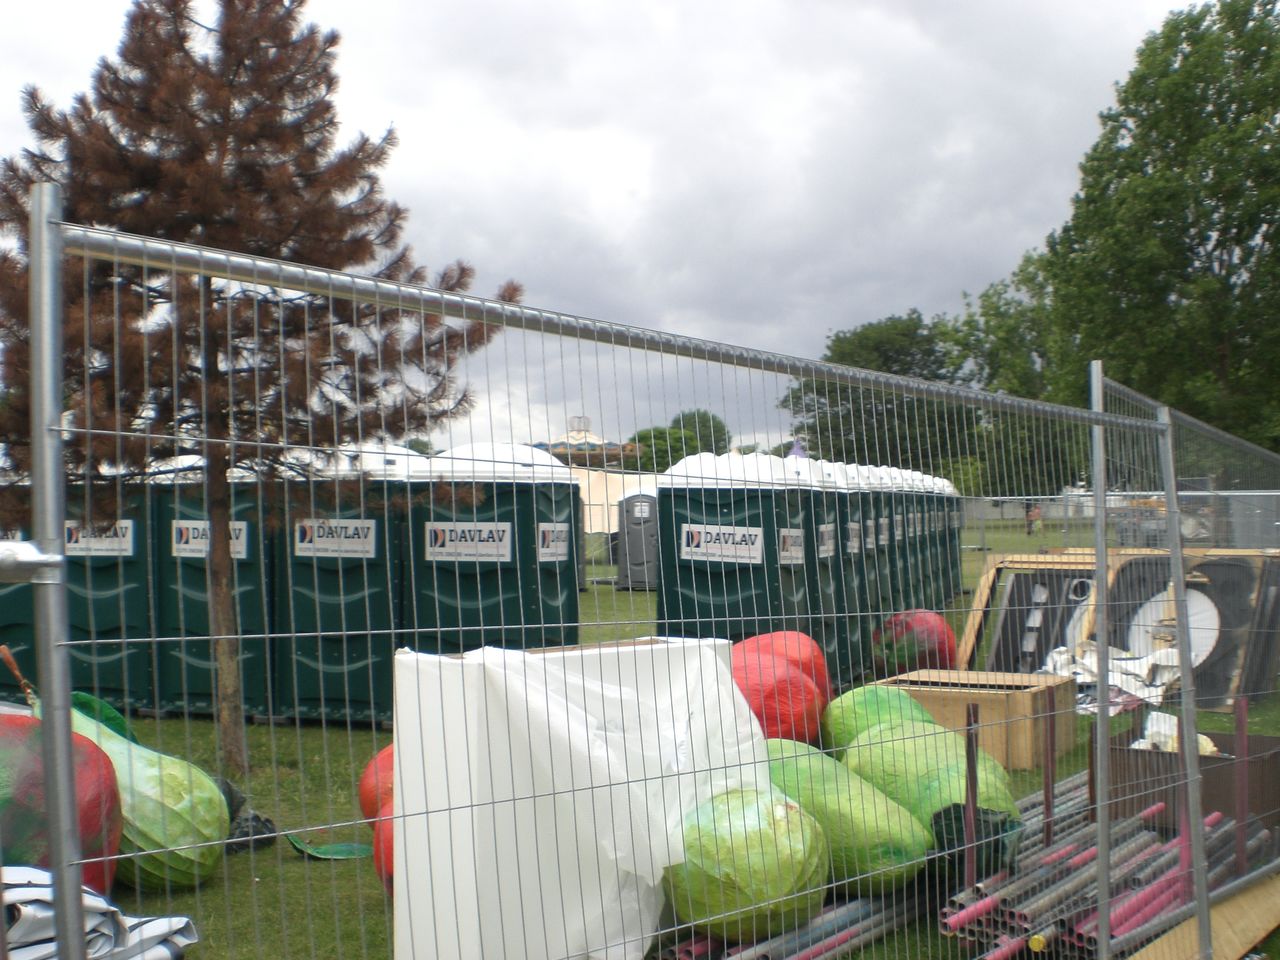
(914,640)
(786,702)
(799,649)
(375,782)
(384,843)
(24,815)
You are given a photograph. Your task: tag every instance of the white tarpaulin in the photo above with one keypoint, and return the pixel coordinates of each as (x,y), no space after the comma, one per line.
(541,795)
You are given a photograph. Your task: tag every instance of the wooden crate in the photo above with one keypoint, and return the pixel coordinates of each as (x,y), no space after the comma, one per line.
(1012,708)
(1140,778)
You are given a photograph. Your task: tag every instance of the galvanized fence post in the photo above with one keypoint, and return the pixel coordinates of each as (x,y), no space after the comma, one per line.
(48,509)
(1188,740)
(1102,730)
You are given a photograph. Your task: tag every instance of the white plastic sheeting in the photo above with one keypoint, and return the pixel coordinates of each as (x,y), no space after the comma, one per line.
(541,795)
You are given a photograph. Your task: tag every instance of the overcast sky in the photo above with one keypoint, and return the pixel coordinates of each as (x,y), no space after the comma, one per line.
(763,172)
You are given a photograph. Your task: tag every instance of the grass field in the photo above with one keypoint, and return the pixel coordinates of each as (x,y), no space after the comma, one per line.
(273,903)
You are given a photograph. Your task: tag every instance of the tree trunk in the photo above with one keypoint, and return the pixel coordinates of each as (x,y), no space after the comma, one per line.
(233,748)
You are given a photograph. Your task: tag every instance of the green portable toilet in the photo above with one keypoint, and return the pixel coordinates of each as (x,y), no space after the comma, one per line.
(933,594)
(185,679)
(857,570)
(946,559)
(955,513)
(492,551)
(109,606)
(862,485)
(899,552)
(822,489)
(336,605)
(731,552)
(878,513)
(838,543)
(917,540)
(109,609)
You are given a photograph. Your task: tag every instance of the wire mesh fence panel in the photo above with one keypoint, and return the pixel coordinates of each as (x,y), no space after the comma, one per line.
(419,625)
(1207,513)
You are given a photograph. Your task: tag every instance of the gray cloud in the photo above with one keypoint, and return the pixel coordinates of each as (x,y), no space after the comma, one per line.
(763,172)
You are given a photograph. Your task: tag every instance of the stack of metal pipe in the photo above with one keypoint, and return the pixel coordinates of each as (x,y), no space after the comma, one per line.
(838,931)
(1049,900)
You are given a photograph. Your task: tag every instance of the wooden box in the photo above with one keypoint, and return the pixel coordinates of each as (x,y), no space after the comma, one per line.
(1012,709)
(1140,778)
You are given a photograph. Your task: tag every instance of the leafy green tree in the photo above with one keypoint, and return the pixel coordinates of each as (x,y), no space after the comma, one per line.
(907,345)
(877,425)
(984,452)
(659,447)
(224,136)
(710,432)
(1004,338)
(1168,269)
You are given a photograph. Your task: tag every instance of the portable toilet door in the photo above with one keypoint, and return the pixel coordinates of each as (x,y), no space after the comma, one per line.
(899,560)
(731,548)
(493,560)
(109,609)
(917,542)
(336,606)
(638,540)
(933,594)
(857,551)
(955,513)
(943,587)
(838,584)
(878,512)
(185,680)
(110,605)
(820,490)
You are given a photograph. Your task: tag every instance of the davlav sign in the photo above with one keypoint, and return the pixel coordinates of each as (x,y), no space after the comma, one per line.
(115,541)
(723,544)
(553,542)
(317,537)
(470,541)
(191,538)
(790,546)
(827,540)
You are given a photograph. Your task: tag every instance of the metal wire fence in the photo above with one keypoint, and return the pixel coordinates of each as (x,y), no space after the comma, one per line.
(420,625)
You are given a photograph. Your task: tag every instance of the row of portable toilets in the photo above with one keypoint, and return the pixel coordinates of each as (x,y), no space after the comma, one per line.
(479,545)
(476,546)
(737,545)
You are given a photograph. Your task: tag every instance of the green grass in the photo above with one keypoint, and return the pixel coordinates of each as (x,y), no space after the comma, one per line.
(608,614)
(273,903)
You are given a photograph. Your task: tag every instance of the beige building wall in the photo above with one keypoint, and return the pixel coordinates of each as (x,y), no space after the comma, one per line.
(602,489)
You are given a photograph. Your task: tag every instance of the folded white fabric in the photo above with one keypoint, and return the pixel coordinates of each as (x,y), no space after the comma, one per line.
(109,934)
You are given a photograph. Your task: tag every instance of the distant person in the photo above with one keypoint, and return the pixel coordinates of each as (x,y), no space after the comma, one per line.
(1033,518)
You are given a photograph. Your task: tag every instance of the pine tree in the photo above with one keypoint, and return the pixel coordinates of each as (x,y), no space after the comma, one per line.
(225,136)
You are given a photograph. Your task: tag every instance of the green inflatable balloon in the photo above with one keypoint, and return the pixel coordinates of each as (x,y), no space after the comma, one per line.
(876,845)
(852,714)
(922,767)
(755,865)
